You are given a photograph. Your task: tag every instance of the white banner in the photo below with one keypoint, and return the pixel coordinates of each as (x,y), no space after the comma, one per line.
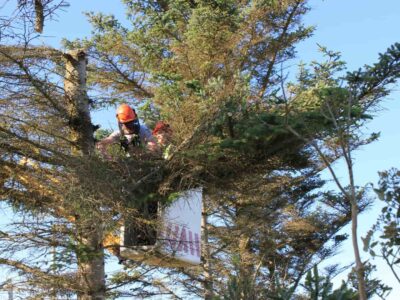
(180,235)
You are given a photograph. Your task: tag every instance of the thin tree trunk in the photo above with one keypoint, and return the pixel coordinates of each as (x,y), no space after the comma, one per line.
(89,230)
(354,223)
(247,268)
(359,264)
(206,255)
(353,201)
(53,295)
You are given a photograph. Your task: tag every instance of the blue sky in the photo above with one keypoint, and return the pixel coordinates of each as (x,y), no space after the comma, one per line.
(359,29)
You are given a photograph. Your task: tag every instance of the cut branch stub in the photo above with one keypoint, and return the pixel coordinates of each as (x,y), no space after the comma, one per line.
(39,18)
(78,102)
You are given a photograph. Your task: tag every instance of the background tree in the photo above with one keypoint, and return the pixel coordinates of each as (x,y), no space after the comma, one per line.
(346,104)
(320,287)
(387,226)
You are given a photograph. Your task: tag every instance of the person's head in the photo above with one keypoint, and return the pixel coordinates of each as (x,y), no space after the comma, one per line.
(162,132)
(127,119)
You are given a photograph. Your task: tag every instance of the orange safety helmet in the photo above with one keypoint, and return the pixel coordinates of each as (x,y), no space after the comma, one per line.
(161,126)
(125,113)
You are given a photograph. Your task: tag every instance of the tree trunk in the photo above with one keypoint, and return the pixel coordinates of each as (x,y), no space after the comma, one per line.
(39,16)
(89,230)
(246,265)
(246,268)
(91,262)
(354,224)
(78,103)
(359,264)
(206,255)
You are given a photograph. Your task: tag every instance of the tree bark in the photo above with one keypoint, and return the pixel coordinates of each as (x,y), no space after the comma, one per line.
(78,103)
(206,254)
(246,267)
(359,264)
(354,221)
(91,271)
(91,262)
(39,18)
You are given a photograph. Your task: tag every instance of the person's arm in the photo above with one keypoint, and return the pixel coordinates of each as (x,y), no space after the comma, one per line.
(102,145)
(148,139)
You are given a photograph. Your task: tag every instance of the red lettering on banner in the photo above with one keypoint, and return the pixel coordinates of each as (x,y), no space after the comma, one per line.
(197,244)
(171,237)
(181,240)
(191,242)
(167,232)
(174,237)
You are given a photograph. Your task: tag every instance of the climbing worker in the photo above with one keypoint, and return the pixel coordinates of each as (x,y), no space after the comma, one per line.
(163,134)
(133,138)
(131,134)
